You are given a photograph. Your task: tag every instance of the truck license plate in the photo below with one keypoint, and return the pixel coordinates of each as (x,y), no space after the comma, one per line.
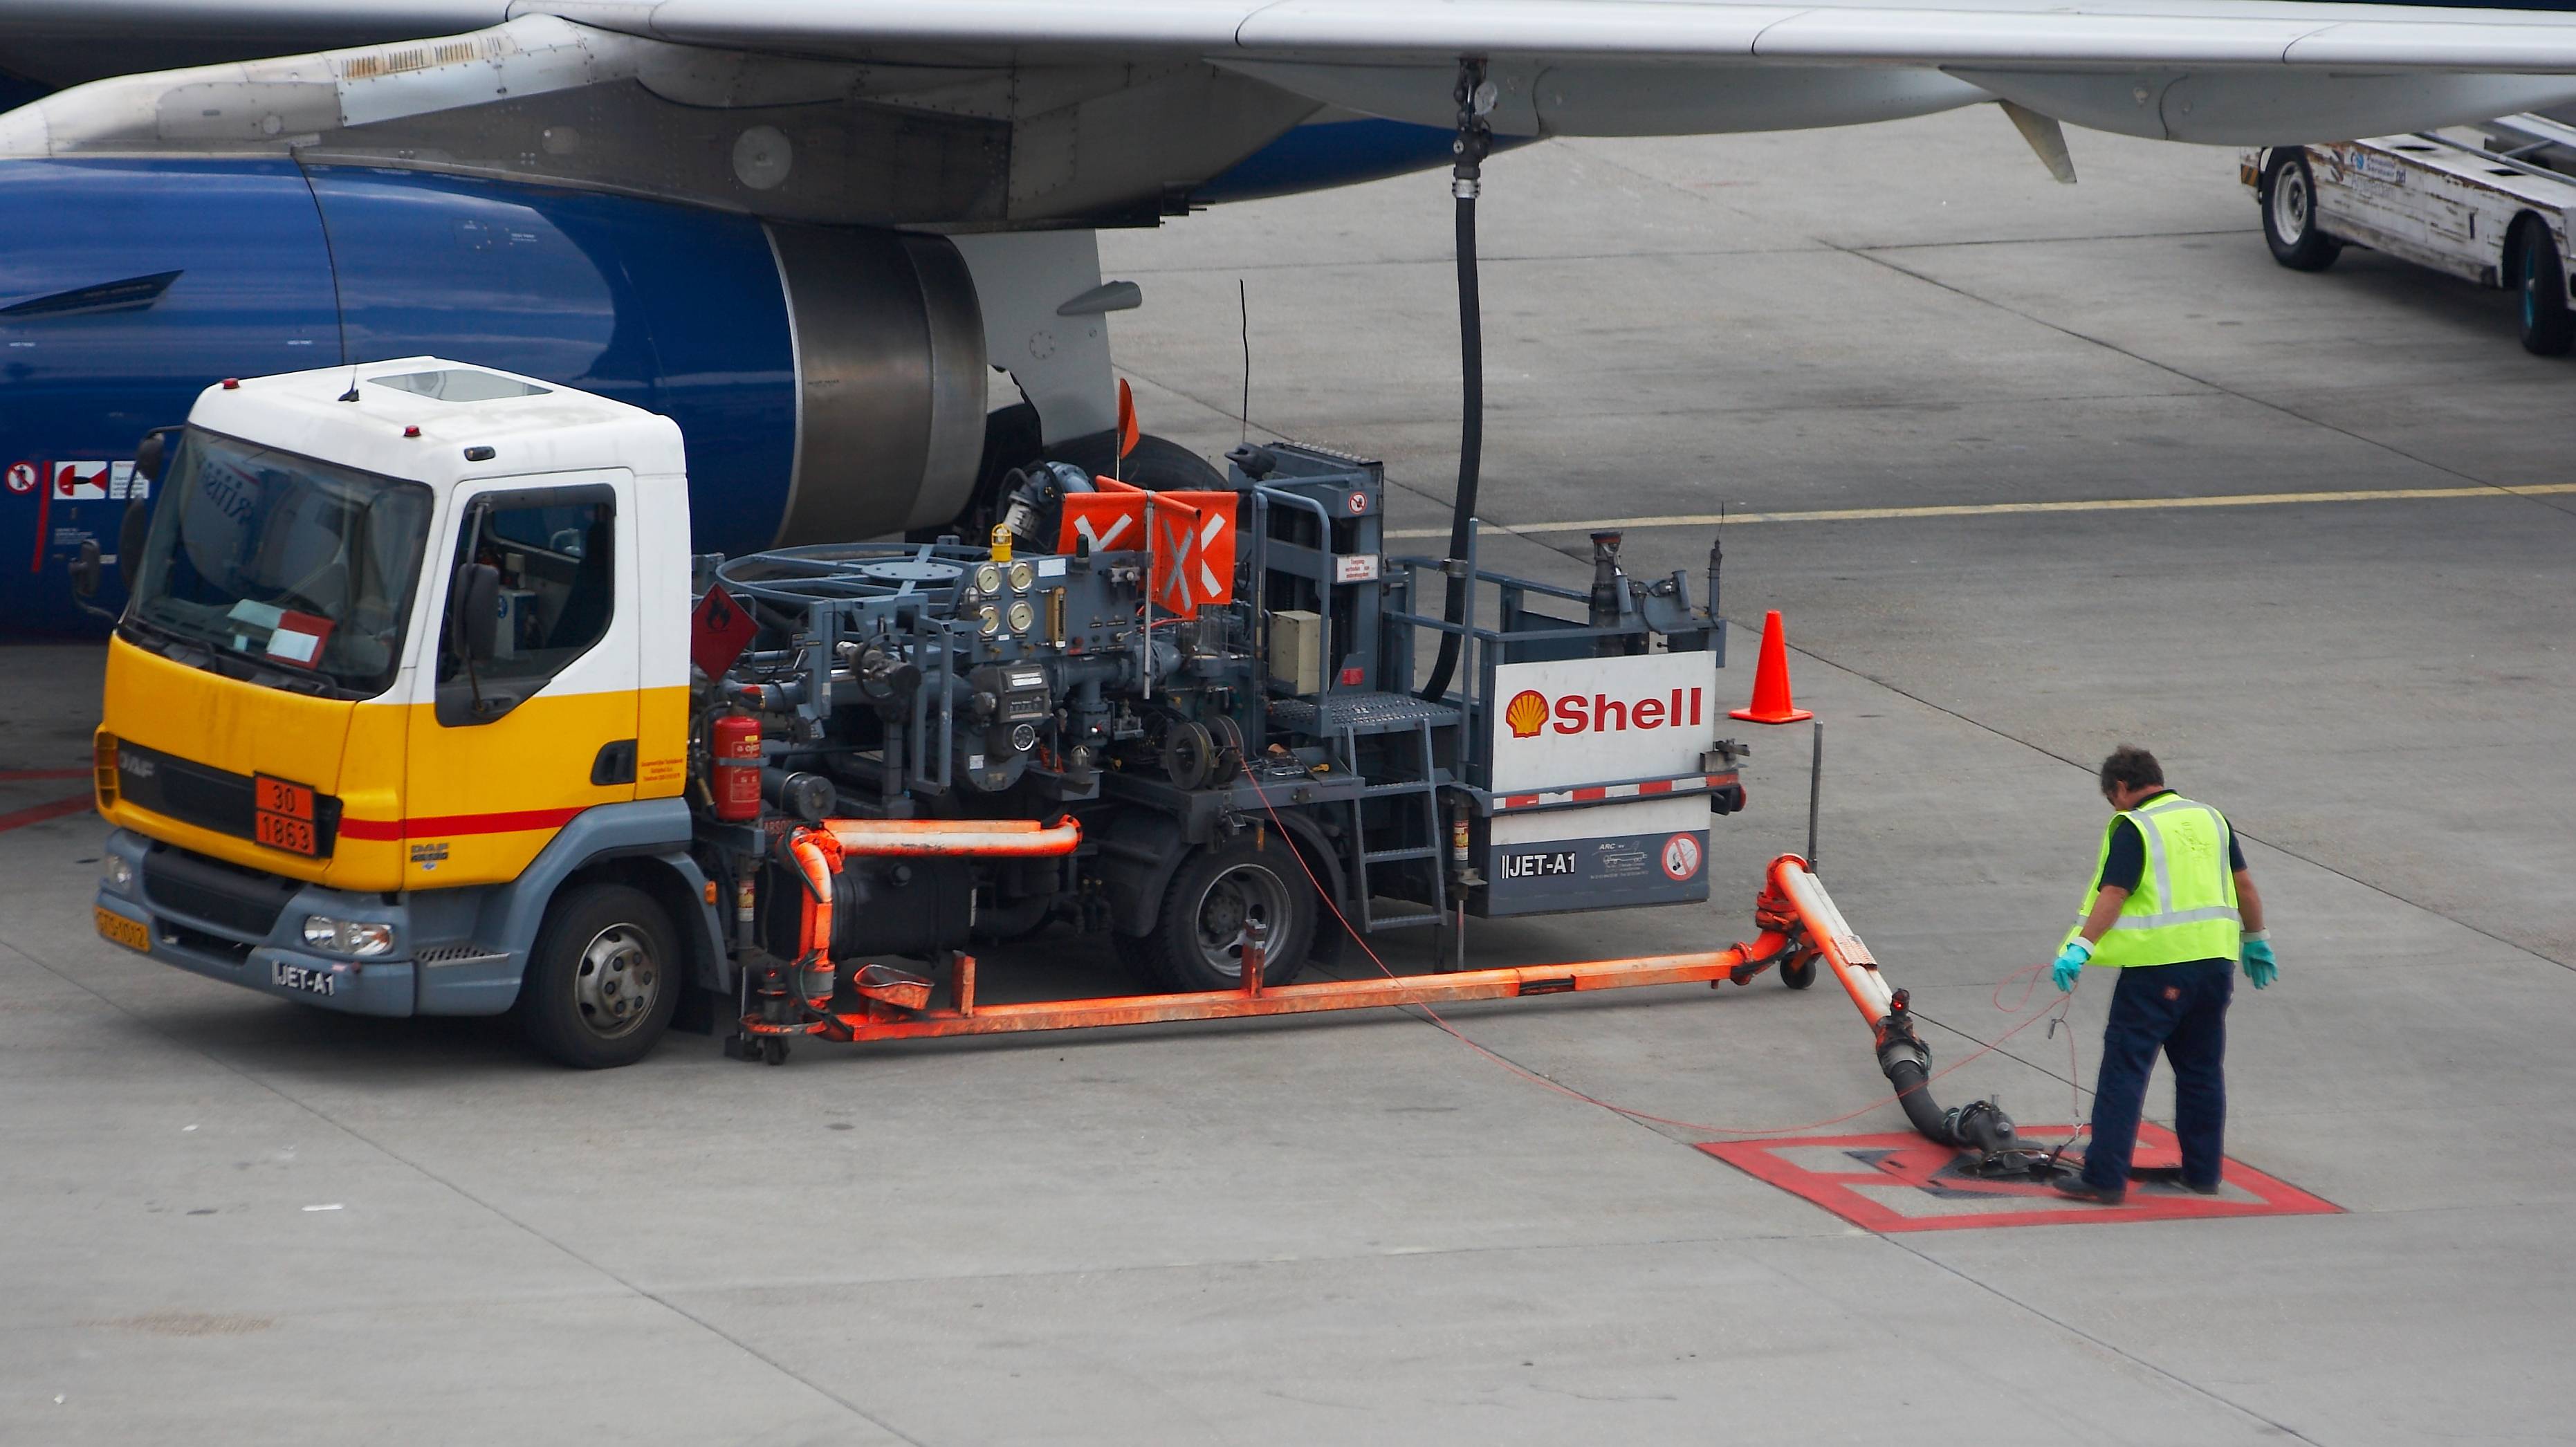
(123,931)
(299,977)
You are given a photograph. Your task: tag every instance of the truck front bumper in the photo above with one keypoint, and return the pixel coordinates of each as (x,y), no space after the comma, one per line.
(182,915)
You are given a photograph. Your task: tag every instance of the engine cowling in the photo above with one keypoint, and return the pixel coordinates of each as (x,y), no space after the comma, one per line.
(829,381)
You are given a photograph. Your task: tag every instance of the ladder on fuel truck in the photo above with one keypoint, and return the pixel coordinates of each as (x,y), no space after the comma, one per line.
(1403,773)
(1317,540)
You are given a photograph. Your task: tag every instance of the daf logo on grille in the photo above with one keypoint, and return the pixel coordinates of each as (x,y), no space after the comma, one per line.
(139,768)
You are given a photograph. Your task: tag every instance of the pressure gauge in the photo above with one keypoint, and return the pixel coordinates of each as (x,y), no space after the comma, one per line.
(989,619)
(1022,615)
(988,578)
(1022,575)
(1024,738)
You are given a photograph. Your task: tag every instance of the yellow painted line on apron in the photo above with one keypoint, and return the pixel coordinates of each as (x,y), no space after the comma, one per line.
(1991,509)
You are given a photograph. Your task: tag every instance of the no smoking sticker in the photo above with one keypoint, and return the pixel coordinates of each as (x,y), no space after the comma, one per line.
(1681,856)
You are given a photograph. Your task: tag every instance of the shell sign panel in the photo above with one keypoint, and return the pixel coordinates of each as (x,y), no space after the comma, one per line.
(1587,720)
(1567,724)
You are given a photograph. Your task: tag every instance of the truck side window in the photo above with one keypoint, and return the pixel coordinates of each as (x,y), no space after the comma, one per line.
(556,552)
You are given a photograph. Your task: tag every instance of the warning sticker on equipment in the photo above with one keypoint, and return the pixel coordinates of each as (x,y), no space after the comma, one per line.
(1552,875)
(80,481)
(1902,1182)
(1681,856)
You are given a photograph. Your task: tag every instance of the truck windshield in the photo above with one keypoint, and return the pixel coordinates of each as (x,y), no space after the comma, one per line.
(285,569)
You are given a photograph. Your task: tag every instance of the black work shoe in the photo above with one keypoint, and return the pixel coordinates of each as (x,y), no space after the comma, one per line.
(2209,1190)
(2076,1188)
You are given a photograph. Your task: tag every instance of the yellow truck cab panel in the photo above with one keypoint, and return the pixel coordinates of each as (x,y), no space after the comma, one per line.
(294,691)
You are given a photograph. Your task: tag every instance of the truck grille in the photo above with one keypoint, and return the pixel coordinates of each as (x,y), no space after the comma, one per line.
(192,793)
(211,892)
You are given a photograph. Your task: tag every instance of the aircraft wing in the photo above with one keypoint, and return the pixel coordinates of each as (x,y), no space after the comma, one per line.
(1011,113)
(2218,71)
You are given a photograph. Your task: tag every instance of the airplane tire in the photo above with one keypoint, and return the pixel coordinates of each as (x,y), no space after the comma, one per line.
(2540,276)
(2290,226)
(1158,464)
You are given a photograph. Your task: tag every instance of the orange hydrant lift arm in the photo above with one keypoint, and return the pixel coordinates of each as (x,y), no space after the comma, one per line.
(1785,934)
(1979,1126)
(1797,917)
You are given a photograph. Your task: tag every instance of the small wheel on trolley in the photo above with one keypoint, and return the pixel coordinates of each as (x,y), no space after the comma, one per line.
(2289,196)
(1799,973)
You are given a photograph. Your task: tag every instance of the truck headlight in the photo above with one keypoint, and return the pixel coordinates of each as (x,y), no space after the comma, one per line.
(118,874)
(365,939)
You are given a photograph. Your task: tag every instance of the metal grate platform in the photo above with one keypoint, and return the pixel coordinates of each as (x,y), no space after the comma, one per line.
(1359,713)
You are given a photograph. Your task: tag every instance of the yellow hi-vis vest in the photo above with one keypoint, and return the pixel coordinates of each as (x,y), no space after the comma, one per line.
(2184,907)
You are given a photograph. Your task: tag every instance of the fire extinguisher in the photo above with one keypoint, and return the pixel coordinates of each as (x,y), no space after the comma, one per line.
(735,745)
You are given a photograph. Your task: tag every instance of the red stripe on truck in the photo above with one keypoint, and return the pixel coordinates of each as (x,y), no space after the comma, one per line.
(443,826)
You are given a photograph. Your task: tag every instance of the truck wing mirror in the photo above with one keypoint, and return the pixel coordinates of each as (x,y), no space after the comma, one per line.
(85,568)
(474,610)
(131,532)
(152,454)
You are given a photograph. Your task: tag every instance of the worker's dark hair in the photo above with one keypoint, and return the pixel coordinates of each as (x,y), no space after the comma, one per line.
(2132,766)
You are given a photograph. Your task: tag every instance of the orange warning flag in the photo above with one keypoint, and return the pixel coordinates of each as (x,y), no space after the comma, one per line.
(1191,536)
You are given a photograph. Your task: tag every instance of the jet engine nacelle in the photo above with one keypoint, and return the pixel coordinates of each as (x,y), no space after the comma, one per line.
(829,381)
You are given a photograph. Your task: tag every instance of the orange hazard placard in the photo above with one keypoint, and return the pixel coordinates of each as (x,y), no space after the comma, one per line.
(282,815)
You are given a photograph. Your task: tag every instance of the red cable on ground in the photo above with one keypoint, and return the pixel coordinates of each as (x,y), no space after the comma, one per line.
(1645,1117)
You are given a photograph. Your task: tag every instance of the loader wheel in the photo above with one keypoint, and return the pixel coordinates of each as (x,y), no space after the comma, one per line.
(1798,974)
(2541,277)
(1197,939)
(603,978)
(2290,214)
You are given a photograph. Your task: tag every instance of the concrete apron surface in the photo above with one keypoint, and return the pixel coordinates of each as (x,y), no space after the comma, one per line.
(1357,1228)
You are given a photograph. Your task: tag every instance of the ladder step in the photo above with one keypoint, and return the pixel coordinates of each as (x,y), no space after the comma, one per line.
(1420,851)
(1403,921)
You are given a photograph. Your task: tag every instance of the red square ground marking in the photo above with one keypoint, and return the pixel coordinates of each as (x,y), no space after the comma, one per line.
(1902,1182)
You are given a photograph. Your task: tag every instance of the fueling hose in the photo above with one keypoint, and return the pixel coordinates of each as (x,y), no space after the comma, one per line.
(1475,97)
(1980,1126)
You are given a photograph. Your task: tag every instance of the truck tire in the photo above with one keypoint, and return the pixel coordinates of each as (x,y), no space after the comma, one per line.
(1196,942)
(603,978)
(2290,214)
(2540,275)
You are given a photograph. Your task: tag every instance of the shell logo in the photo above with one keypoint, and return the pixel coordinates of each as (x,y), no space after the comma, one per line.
(1526,714)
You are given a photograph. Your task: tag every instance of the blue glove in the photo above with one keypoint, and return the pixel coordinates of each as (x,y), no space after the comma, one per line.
(2070,960)
(2260,968)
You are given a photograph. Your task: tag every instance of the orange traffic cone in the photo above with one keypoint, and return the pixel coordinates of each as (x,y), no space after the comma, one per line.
(1771,701)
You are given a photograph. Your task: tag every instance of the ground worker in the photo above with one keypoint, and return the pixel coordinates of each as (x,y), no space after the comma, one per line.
(2172,909)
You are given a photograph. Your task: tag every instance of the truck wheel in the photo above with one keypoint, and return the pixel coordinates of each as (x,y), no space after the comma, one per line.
(2290,214)
(1197,940)
(2541,276)
(603,978)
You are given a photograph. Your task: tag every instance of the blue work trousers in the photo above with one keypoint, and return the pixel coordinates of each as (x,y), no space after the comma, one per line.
(2182,1010)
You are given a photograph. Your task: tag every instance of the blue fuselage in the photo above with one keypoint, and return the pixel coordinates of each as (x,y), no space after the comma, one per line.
(128,286)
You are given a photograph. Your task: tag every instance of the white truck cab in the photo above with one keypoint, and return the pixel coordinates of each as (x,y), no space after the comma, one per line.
(407,651)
